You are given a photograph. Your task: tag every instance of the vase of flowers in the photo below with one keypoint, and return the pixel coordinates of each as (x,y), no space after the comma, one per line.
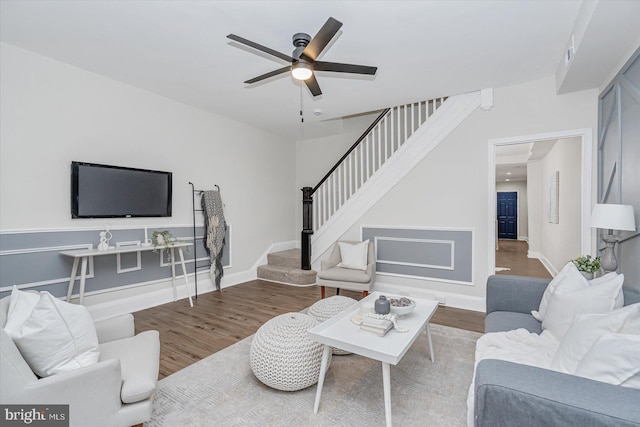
(162,240)
(587,265)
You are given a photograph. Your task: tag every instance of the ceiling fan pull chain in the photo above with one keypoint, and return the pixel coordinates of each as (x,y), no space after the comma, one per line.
(301,115)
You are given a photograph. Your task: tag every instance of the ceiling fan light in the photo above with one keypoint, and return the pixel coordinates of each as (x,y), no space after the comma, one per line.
(301,71)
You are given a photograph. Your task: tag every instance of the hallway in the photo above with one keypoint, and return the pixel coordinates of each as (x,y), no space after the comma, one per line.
(512,254)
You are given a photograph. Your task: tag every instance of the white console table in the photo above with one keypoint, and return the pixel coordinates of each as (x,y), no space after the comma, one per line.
(85,254)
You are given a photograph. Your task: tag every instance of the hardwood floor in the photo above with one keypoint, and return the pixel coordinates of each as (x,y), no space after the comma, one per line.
(220,319)
(513,255)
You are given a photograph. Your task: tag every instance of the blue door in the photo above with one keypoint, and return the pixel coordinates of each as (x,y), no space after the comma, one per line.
(507,210)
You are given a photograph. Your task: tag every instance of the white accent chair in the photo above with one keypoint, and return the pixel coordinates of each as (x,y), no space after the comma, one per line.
(345,278)
(116,391)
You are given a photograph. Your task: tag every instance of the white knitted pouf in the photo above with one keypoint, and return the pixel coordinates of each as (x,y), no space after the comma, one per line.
(282,356)
(329,307)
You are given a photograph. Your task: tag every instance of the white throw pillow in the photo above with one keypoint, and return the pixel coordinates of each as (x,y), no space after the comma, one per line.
(632,324)
(21,305)
(565,306)
(568,279)
(613,359)
(354,256)
(57,337)
(585,331)
(604,279)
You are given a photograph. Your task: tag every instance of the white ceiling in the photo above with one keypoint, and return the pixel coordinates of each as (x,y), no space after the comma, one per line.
(179,49)
(511,160)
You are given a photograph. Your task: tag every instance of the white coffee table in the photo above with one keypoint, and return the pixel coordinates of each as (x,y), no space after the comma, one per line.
(339,331)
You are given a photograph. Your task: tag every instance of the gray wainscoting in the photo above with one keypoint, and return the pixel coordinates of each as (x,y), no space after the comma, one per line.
(444,255)
(32,259)
(618,159)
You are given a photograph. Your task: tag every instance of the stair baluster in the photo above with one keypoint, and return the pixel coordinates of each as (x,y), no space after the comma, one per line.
(391,129)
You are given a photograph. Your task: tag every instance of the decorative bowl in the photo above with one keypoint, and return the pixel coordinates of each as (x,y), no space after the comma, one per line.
(402,310)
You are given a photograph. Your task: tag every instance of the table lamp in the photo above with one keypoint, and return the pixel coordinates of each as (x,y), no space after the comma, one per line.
(612,217)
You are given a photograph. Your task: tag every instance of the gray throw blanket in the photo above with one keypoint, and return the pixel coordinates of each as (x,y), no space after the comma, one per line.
(215,227)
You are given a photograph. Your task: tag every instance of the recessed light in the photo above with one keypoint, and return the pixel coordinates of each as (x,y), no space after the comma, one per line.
(507,179)
(508,173)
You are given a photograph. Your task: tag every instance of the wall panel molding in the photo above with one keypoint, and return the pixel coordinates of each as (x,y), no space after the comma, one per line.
(618,158)
(31,258)
(434,254)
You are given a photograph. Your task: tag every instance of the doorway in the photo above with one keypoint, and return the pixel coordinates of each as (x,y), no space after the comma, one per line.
(507,214)
(583,233)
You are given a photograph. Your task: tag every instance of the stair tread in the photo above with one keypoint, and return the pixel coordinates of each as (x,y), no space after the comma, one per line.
(288,270)
(289,258)
(286,274)
(289,253)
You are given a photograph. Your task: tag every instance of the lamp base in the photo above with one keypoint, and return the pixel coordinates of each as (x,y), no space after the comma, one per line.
(608,258)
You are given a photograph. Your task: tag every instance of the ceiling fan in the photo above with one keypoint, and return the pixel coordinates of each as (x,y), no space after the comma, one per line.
(303,59)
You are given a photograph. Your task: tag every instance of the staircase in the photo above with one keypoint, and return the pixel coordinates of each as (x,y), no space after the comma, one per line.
(394,144)
(284,267)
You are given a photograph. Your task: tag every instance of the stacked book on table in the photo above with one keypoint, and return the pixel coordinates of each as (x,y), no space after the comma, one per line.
(377,326)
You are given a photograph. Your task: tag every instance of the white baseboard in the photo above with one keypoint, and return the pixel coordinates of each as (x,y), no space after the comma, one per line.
(449,299)
(545,262)
(130,299)
(143,296)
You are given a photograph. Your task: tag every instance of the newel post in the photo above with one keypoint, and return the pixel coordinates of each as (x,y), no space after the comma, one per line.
(307,227)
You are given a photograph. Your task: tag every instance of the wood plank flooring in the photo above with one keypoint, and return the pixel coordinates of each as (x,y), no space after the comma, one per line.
(220,319)
(513,254)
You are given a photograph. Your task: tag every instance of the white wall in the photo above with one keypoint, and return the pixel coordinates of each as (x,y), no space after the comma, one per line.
(53,113)
(561,242)
(536,211)
(315,157)
(450,187)
(523,206)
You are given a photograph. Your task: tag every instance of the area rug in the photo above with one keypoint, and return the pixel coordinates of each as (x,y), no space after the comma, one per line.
(222,390)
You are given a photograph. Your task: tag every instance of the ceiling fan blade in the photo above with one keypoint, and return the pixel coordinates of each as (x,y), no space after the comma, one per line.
(344,68)
(261,48)
(270,74)
(313,85)
(321,40)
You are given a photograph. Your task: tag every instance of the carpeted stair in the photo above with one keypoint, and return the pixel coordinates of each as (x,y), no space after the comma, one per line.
(284,267)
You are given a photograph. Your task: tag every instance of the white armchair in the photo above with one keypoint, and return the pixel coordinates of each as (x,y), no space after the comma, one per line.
(333,276)
(116,391)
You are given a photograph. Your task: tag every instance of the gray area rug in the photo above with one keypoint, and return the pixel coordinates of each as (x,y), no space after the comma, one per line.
(222,390)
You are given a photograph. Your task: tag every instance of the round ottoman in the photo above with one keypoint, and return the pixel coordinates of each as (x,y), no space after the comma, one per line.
(329,307)
(282,356)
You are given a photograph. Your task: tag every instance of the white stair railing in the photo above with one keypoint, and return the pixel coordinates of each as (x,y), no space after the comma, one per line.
(382,141)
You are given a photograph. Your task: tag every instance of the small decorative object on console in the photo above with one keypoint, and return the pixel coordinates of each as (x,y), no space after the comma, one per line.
(105,237)
(162,240)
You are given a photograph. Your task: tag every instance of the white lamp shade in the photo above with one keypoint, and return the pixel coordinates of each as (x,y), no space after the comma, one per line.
(613,217)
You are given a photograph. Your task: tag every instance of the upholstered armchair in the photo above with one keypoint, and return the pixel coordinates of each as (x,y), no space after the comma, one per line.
(115,391)
(333,275)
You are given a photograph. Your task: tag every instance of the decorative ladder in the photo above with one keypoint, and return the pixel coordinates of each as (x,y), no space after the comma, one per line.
(391,129)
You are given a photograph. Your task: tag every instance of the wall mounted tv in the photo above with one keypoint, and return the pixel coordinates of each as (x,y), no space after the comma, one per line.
(102,191)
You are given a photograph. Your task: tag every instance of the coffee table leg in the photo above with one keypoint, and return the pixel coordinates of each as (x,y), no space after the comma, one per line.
(323,371)
(386,383)
(430,343)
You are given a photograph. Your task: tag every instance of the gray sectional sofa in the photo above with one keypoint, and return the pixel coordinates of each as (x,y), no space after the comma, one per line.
(512,394)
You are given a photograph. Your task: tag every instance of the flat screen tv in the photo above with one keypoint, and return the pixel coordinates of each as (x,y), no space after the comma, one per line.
(102,191)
